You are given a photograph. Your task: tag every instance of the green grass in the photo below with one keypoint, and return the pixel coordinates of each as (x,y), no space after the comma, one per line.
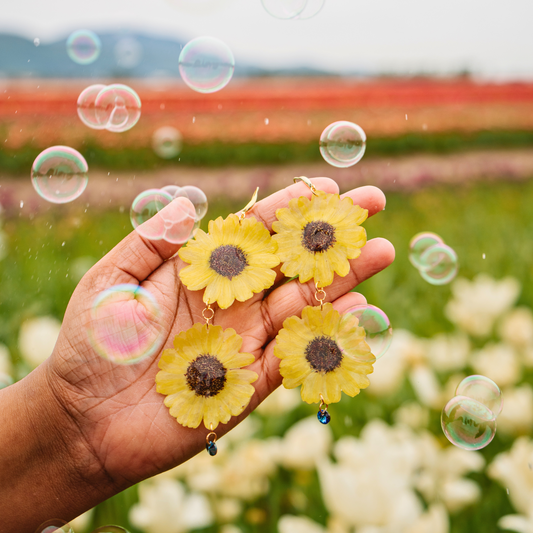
(494,218)
(216,153)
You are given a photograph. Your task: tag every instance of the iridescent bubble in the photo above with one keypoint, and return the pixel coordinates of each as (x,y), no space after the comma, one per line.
(343,144)
(376,325)
(125,325)
(83,47)
(312,8)
(166,142)
(5,380)
(206,64)
(118,107)
(174,191)
(284,9)
(87,108)
(55,525)
(467,423)
(482,389)
(198,199)
(419,244)
(174,224)
(128,52)
(59,174)
(440,264)
(110,529)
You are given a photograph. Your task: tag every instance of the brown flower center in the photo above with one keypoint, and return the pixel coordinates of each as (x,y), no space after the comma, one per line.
(228,260)
(323,354)
(206,375)
(318,236)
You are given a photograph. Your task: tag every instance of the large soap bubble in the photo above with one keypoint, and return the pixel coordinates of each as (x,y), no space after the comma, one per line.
(118,107)
(83,47)
(125,325)
(87,108)
(376,325)
(59,174)
(284,9)
(467,423)
(206,64)
(343,144)
(482,389)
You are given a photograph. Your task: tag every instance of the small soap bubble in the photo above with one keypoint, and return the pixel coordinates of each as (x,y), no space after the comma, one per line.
(166,142)
(128,52)
(284,9)
(266,121)
(55,525)
(118,107)
(5,380)
(376,325)
(343,144)
(110,529)
(206,64)
(467,423)
(419,244)
(198,198)
(174,225)
(59,174)
(441,264)
(125,325)
(482,389)
(83,47)
(87,107)
(36,41)
(21,204)
(312,7)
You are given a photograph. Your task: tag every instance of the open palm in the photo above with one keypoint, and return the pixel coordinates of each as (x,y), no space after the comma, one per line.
(119,422)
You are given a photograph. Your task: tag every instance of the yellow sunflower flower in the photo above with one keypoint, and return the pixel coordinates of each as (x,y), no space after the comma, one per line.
(325,353)
(316,237)
(233,261)
(202,376)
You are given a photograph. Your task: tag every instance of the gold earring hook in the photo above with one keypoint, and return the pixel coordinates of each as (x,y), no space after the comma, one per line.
(307,181)
(248,206)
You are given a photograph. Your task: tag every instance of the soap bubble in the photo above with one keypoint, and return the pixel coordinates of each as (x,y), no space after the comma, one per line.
(5,380)
(128,52)
(467,423)
(173,225)
(83,47)
(343,144)
(441,264)
(59,174)
(55,525)
(376,325)
(482,389)
(419,244)
(198,199)
(87,108)
(118,107)
(284,9)
(312,8)
(166,142)
(125,324)
(174,191)
(206,64)
(110,529)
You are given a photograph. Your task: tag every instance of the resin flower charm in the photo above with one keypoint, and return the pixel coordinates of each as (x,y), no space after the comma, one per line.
(316,237)
(325,353)
(233,261)
(202,376)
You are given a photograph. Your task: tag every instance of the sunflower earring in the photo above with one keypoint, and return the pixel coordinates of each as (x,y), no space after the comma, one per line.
(323,351)
(202,377)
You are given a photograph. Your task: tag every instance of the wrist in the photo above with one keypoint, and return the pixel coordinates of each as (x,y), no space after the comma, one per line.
(46,469)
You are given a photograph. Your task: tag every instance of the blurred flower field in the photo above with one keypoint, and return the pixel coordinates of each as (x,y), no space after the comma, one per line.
(383,465)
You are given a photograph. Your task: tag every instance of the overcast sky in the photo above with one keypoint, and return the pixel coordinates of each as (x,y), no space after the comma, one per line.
(490,38)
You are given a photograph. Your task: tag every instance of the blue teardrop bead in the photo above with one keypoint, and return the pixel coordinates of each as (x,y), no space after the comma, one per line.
(211,448)
(323,416)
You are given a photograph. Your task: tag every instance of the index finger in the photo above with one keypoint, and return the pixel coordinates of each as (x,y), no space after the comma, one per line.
(368,197)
